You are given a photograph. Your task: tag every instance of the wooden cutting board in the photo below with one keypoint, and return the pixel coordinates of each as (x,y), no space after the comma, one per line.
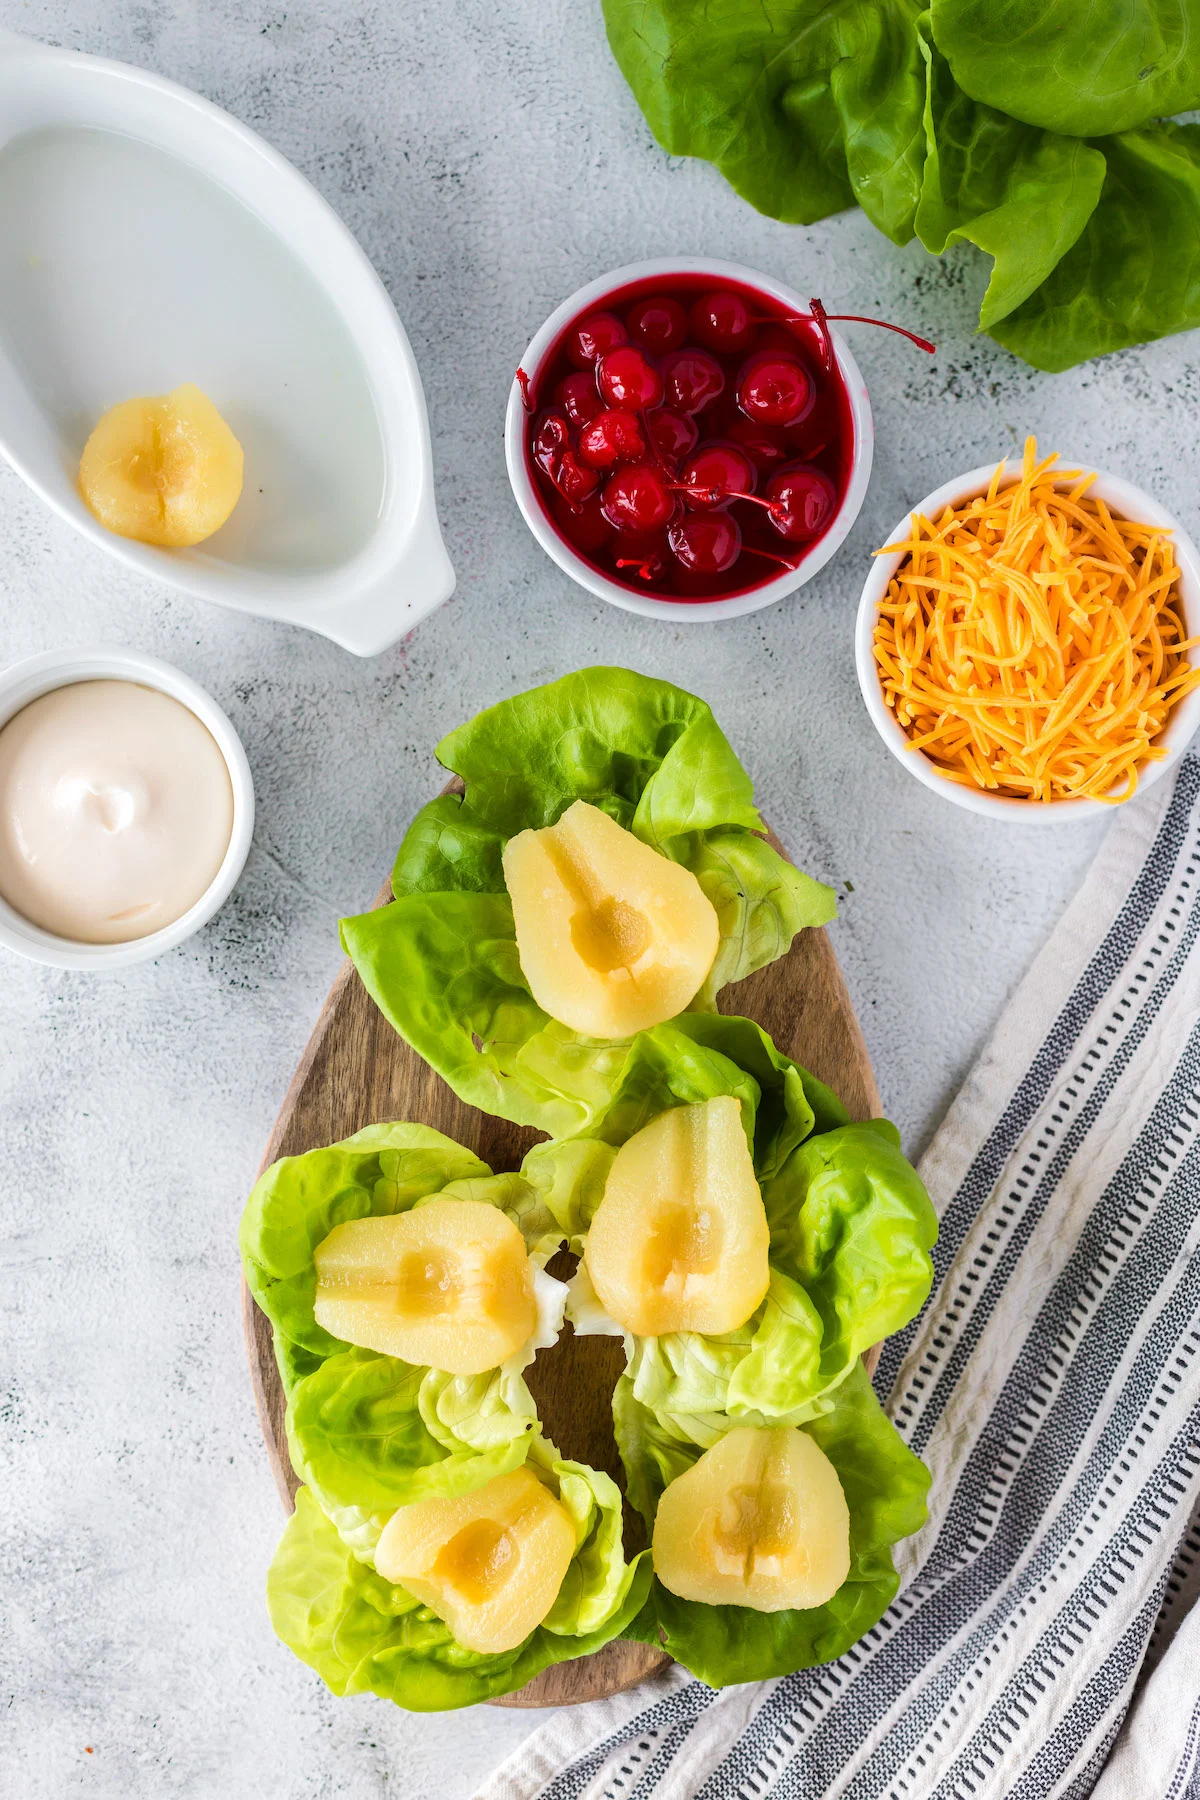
(357,1071)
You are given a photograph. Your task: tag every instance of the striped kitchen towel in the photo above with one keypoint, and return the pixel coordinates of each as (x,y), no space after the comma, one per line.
(1046,1637)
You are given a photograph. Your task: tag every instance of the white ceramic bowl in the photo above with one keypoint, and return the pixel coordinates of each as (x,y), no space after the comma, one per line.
(148,239)
(38,675)
(1182,723)
(568,559)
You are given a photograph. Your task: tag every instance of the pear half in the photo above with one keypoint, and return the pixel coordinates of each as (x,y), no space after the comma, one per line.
(448,1284)
(164,469)
(679,1241)
(489,1563)
(613,938)
(760,1521)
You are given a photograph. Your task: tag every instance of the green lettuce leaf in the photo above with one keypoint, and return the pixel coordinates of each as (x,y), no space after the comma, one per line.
(804,107)
(441,961)
(563,1185)
(598,1580)
(368,1432)
(768,1371)
(1134,274)
(1020,194)
(644,751)
(885,1487)
(851,1222)
(1025,127)
(296,1203)
(1084,70)
(698,1057)
(361,1634)
(788,1094)
(851,1229)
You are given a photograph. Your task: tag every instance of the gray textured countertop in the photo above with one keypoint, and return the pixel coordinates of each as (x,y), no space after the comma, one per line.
(490,159)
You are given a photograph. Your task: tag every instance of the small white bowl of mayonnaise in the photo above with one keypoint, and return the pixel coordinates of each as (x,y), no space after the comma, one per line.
(126,808)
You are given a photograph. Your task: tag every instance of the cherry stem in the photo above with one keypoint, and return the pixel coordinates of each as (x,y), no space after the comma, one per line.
(820,318)
(715,496)
(771,556)
(526,395)
(884,325)
(647,568)
(655,452)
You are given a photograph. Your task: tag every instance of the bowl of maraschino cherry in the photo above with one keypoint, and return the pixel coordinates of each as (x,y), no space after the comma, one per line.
(688,439)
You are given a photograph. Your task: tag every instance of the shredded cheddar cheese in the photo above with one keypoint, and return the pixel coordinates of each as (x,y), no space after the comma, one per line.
(1031,643)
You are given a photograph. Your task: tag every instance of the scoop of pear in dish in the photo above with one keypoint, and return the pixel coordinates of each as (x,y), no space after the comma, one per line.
(164,469)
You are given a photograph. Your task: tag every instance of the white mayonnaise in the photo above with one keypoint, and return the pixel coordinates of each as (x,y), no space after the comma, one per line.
(116,811)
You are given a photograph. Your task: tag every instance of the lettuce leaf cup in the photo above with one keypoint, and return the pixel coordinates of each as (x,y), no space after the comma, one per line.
(370,1434)
(884,1486)
(363,1634)
(850,1230)
(442,961)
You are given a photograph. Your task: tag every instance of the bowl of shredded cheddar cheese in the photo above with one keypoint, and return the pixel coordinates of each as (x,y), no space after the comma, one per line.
(1028,641)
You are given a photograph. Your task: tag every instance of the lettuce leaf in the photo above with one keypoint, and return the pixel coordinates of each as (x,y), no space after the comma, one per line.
(1020,194)
(361,1634)
(441,961)
(1025,127)
(852,1224)
(296,1203)
(371,1433)
(1134,273)
(768,1371)
(804,107)
(851,1230)
(368,1432)
(1084,70)
(697,1057)
(885,1487)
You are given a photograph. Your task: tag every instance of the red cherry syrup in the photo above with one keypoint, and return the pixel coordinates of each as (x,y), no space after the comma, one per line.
(688,436)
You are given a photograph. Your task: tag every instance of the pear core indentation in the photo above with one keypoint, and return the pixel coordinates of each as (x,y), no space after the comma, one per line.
(478,1560)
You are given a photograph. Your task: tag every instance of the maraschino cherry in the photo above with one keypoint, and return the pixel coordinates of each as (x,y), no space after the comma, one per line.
(552,437)
(577,396)
(573,479)
(801,502)
(692,379)
(627,378)
(716,475)
(776,390)
(723,321)
(593,337)
(659,323)
(637,498)
(765,448)
(672,434)
(611,438)
(706,543)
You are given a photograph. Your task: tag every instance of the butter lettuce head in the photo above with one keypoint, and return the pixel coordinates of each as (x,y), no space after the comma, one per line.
(363,1635)
(441,961)
(1033,129)
(885,1487)
(851,1229)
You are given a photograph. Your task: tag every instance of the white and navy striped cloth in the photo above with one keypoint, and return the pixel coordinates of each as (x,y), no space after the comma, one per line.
(1046,1638)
